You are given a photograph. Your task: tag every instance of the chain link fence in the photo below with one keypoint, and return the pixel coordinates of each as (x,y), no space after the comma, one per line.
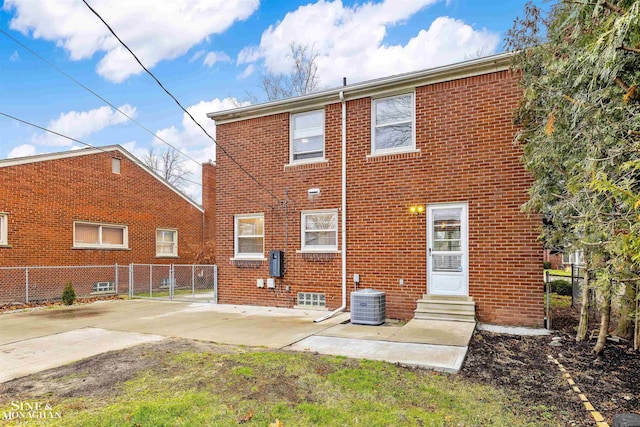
(174,282)
(19,285)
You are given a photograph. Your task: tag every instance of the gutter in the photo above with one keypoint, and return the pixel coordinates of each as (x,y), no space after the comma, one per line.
(344,213)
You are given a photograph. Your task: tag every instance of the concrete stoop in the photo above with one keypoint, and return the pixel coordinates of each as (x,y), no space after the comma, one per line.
(450,308)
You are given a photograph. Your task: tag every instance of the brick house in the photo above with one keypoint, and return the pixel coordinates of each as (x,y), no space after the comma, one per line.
(94,206)
(410,185)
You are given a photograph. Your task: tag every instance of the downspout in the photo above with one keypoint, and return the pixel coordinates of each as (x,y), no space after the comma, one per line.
(344,213)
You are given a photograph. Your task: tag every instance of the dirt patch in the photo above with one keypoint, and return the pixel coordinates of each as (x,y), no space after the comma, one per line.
(101,376)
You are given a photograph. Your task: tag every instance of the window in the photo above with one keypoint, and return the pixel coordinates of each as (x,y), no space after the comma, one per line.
(4,229)
(166,243)
(249,236)
(115,165)
(392,124)
(319,231)
(307,136)
(91,235)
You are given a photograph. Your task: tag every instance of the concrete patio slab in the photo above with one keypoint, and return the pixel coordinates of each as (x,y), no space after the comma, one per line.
(436,332)
(41,339)
(438,357)
(37,354)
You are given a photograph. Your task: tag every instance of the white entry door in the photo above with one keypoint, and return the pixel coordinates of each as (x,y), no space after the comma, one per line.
(447,261)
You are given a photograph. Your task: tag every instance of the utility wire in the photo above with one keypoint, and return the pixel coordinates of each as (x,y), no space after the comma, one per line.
(94,93)
(180,105)
(158,171)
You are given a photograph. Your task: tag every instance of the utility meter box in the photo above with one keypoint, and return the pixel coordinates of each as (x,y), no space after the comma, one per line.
(276,263)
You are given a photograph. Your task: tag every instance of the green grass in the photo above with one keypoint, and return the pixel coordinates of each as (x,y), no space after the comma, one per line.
(562,273)
(559,301)
(258,387)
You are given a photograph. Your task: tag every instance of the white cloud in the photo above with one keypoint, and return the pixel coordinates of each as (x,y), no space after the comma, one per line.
(350,41)
(247,72)
(213,57)
(15,57)
(154,30)
(199,54)
(22,151)
(82,124)
(190,139)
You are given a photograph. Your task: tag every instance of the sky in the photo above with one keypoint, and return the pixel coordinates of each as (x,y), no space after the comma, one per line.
(211,55)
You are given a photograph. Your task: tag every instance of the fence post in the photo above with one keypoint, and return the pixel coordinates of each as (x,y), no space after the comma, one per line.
(215,283)
(150,281)
(116,278)
(548,313)
(26,289)
(193,281)
(131,290)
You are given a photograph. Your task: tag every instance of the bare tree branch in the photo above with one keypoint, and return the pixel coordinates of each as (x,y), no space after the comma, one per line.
(302,79)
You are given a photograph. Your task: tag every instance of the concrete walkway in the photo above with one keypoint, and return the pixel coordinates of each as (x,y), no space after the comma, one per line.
(41,339)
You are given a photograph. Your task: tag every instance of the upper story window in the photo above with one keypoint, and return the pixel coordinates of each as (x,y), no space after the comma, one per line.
(4,229)
(307,136)
(92,235)
(249,236)
(319,231)
(393,124)
(166,243)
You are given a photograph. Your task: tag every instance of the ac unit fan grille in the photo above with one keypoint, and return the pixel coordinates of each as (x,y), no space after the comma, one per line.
(368,307)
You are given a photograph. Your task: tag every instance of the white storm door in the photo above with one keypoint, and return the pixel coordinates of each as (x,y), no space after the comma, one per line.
(447,261)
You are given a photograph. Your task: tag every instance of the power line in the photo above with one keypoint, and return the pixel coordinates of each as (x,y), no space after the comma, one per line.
(94,93)
(135,160)
(50,131)
(179,104)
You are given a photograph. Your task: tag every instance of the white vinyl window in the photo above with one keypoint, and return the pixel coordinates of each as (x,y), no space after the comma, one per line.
(319,231)
(92,235)
(4,229)
(392,120)
(166,242)
(307,136)
(249,236)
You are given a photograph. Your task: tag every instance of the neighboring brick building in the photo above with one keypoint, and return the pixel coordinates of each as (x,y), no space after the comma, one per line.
(93,207)
(434,187)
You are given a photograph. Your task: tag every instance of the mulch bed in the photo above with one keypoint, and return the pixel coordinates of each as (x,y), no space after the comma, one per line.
(23,306)
(521,367)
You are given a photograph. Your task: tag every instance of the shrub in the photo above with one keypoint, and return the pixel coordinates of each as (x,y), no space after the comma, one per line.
(68,294)
(561,287)
(547,265)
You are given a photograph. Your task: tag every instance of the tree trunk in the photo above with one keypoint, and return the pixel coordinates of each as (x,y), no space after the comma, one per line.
(636,340)
(583,326)
(627,309)
(605,317)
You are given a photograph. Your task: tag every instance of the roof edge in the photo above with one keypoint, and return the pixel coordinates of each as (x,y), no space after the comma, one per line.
(470,68)
(96,150)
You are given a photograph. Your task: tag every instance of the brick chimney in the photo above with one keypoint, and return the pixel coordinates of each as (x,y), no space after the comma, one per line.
(209,202)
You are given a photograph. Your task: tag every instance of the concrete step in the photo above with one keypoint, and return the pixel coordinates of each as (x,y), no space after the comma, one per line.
(432,307)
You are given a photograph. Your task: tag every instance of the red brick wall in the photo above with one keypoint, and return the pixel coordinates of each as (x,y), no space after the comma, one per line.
(43,199)
(465,136)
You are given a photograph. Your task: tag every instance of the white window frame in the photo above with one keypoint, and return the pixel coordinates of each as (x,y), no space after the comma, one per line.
(303,230)
(236,237)
(4,229)
(292,159)
(385,151)
(100,245)
(175,243)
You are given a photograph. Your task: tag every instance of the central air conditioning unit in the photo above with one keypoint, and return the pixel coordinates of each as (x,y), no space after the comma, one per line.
(368,307)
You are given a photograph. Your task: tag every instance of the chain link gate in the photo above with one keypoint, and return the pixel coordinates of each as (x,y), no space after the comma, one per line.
(176,282)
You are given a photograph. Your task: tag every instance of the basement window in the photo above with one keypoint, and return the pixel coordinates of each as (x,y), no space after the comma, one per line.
(312,300)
